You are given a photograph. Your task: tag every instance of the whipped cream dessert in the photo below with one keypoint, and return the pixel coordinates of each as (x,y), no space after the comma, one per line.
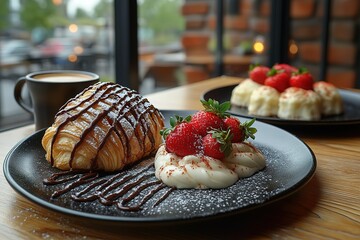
(264,101)
(297,103)
(268,92)
(331,101)
(201,172)
(241,93)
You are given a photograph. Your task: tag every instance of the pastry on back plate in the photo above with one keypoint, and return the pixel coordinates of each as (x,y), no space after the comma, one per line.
(105,127)
(331,101)
(264,101)
(299,104)
(241,93)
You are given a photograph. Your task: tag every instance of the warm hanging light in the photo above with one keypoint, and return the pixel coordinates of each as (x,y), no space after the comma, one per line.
(293,48)
(259,45)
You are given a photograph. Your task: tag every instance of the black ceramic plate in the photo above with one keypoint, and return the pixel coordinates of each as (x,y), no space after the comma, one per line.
(289,166)
(351,113)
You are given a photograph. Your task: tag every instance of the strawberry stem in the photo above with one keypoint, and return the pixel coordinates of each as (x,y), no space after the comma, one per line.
(174,121)
(224,138)
(300,71)
(249,131)
(252,66)
(273,72)
(215,107)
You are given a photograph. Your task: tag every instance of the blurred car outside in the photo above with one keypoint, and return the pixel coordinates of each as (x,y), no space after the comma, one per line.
(14,57)
(15,50)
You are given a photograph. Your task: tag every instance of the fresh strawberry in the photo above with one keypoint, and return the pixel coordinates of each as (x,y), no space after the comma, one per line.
(203,121)
(240,131)
(278,80)
(181,138)
(217,144)
(234,125)
(211,117)
(302,79)
(174,121)
(286,68)
(258,73)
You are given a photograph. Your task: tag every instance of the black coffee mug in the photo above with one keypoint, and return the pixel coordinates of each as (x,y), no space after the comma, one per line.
(49,90)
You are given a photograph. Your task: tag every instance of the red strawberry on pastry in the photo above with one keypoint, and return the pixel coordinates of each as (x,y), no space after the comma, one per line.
(277,79)
(302,79)
(258,73)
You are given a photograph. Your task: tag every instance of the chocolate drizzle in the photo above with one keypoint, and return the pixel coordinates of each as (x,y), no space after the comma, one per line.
(115,107)
(127,190)
(106,111)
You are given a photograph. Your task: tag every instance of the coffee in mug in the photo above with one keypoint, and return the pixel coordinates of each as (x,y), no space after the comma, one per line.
(50,90)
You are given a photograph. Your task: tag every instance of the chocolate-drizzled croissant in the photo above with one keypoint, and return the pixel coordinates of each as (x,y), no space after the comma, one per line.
(105,127)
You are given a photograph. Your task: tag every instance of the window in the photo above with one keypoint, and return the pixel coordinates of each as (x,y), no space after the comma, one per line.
(166,43)
(50,35)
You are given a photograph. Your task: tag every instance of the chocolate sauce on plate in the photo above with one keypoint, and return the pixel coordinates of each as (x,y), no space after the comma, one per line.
(128,190)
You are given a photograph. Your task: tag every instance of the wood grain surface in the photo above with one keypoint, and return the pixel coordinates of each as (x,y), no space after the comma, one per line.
(327,207)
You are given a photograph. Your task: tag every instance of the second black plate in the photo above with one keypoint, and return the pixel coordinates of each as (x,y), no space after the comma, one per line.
(351,113)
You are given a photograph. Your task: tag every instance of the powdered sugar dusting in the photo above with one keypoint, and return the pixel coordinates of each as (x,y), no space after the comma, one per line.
(191,203)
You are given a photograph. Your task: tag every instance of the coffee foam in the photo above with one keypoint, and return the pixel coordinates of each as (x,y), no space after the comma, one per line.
(63,77)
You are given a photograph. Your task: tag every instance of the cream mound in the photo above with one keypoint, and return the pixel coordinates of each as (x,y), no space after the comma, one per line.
(264,101)
(331,101)
(299,104)
(241,93)
(202,172)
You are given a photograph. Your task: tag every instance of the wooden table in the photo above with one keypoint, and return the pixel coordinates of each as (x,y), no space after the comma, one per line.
(230,59)
(328,207)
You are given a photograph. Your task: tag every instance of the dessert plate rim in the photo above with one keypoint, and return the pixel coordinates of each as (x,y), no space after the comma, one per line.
(24,168)
(350,116)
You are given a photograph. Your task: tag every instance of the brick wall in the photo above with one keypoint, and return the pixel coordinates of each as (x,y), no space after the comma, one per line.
(252,19)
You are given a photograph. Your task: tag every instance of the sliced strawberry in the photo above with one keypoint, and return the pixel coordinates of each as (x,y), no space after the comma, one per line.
(302,79)
(278,80)
(217,144)
(258,73)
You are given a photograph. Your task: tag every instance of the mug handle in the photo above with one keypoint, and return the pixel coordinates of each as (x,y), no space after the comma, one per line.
(17,94)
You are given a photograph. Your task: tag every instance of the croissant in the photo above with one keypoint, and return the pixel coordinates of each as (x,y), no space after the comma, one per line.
(105,127)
